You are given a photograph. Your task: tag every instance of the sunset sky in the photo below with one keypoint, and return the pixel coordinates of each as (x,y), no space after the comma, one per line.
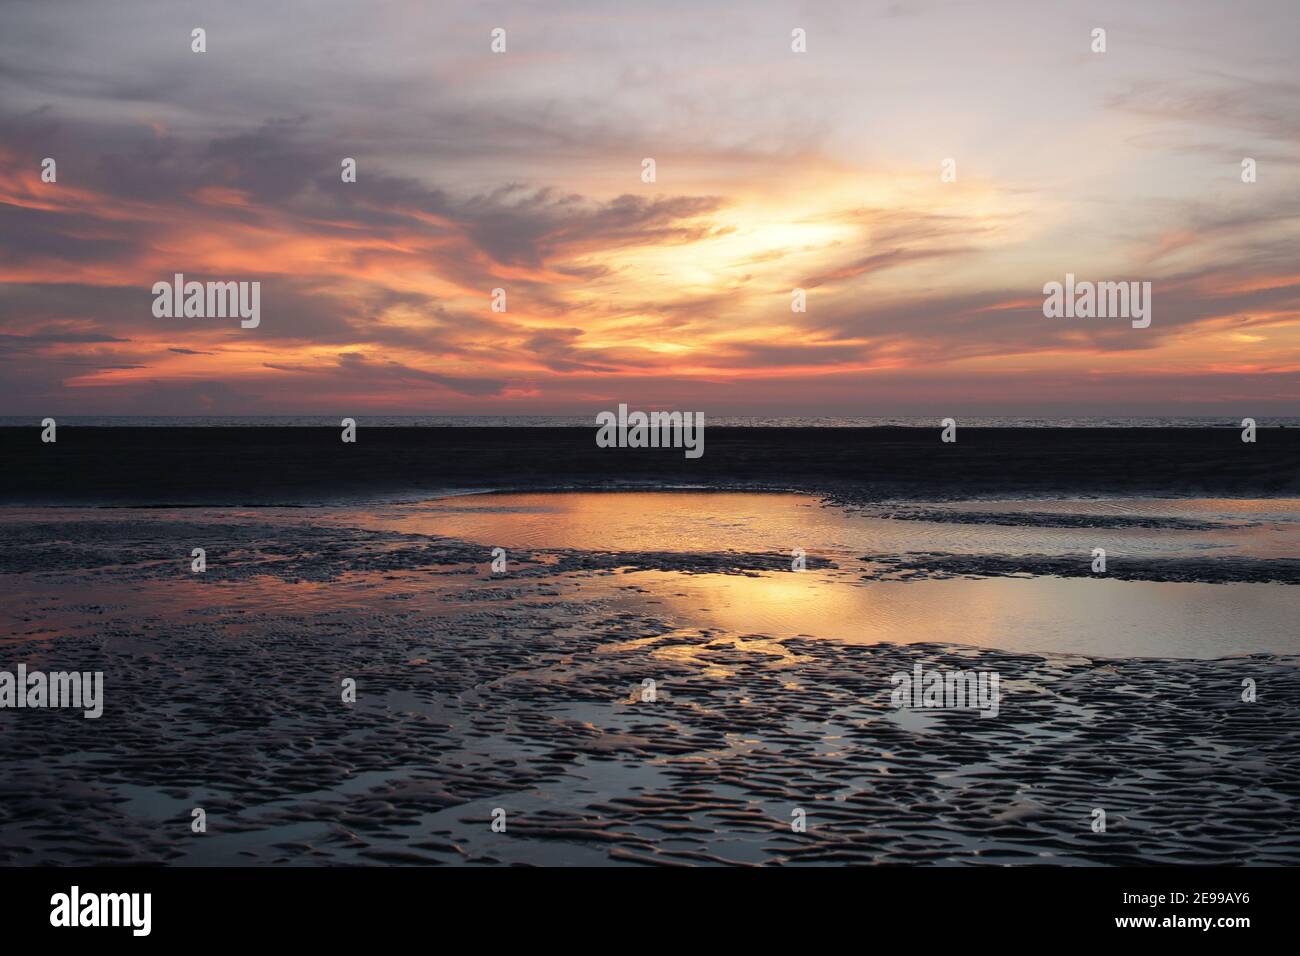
(775,170)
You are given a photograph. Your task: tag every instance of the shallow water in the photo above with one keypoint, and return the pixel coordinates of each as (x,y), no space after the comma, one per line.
(1085,616)
(1090,617)
(742,521)
(1051,615)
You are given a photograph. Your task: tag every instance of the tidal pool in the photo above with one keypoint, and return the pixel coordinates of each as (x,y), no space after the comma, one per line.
(743,521)
(1090,617)
(647,541)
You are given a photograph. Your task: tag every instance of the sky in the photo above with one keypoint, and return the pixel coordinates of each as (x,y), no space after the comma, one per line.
(775,170)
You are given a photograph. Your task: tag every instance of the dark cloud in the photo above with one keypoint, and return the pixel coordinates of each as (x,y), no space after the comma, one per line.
(555,349)
(350,366)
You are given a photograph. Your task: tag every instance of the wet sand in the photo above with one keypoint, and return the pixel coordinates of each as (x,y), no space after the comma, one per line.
(523,692)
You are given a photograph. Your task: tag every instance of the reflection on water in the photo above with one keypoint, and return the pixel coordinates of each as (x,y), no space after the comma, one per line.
(1088,616)
(1091,617)
(1066,616)
(737,521)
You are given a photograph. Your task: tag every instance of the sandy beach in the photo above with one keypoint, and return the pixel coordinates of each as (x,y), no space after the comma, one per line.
(523,691)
